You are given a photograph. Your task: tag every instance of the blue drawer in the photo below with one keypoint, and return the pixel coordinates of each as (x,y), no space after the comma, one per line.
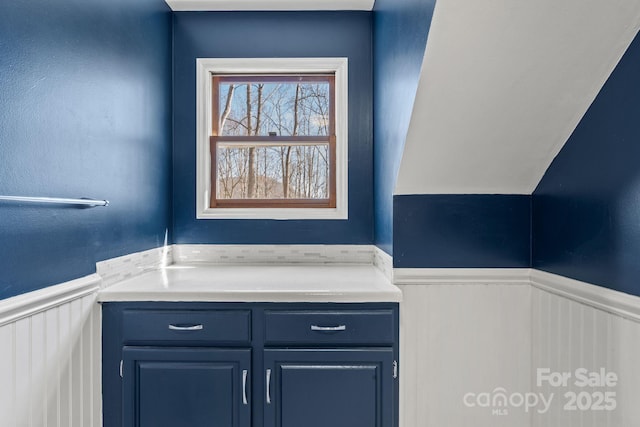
(195,326)
(347,328)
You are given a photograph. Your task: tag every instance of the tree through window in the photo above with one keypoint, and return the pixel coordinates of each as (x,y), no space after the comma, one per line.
(273,141)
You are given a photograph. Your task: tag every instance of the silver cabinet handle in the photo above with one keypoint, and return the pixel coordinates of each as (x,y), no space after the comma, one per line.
(186,328)
(328,328)
(244,386)
(269,386)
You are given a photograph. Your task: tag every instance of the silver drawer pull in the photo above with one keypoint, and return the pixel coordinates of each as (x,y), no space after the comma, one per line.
(268,386)
(186,328)
(328,328)
(244,387)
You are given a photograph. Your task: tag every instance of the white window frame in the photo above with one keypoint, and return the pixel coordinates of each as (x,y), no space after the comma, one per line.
(205,68)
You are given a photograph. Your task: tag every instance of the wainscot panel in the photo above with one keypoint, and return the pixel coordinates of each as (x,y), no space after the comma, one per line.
(50,357)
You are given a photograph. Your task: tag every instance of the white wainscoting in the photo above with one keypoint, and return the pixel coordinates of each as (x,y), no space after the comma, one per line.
(462,331)
(463,336)
(50,353)
(474,330)
(577,325)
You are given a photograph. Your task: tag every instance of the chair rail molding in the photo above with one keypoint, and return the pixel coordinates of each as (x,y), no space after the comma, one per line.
(29,304)
(605,299)
(466,276)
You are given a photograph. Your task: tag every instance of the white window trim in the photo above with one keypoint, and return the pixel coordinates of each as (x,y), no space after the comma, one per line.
(205,67)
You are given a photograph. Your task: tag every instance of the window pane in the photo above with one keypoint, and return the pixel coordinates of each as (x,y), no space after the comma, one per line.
(273,172)
(285,108)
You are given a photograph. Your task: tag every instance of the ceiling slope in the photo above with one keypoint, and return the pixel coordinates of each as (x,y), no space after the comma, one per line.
(503,85)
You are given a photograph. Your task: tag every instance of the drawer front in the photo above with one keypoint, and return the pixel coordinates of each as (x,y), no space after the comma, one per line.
(195,326)
(375,327)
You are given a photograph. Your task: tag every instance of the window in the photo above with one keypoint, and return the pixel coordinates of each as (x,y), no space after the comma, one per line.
(272,138)
(273,141)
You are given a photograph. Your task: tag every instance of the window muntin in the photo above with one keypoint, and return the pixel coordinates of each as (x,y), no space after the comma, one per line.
(273,141)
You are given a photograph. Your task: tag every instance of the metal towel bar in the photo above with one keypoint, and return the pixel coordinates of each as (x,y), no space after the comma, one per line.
(60,201)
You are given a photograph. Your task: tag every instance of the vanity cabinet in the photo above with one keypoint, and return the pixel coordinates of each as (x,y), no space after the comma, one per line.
(169,387)
(329,387)
(250,364)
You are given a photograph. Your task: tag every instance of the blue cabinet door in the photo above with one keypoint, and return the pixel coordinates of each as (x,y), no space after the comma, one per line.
(186,387)
(329,388)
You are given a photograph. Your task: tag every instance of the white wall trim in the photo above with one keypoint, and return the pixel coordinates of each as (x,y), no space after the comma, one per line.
(259,5)
(273,254)
(383,262)
(605,299)
(205,67)
(608,300)
(468,276)
(25,305)
(117,269)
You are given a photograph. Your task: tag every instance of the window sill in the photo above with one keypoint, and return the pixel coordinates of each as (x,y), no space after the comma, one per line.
(275,213)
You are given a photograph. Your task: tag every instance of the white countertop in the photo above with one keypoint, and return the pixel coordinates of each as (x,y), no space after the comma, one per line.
(257,283)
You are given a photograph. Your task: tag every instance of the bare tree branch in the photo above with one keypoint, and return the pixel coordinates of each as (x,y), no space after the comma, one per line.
(227,107)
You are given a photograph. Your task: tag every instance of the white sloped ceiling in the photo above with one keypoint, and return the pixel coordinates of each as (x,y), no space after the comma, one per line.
(503,85)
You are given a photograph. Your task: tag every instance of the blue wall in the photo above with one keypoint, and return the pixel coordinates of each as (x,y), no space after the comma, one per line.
(399,40)
(462,231)
(85,110)
(273,34)
(586,209)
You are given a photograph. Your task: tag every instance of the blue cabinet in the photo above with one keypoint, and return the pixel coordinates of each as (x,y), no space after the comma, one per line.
(336,328)
(250,364)
(329,388)
(195,387)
